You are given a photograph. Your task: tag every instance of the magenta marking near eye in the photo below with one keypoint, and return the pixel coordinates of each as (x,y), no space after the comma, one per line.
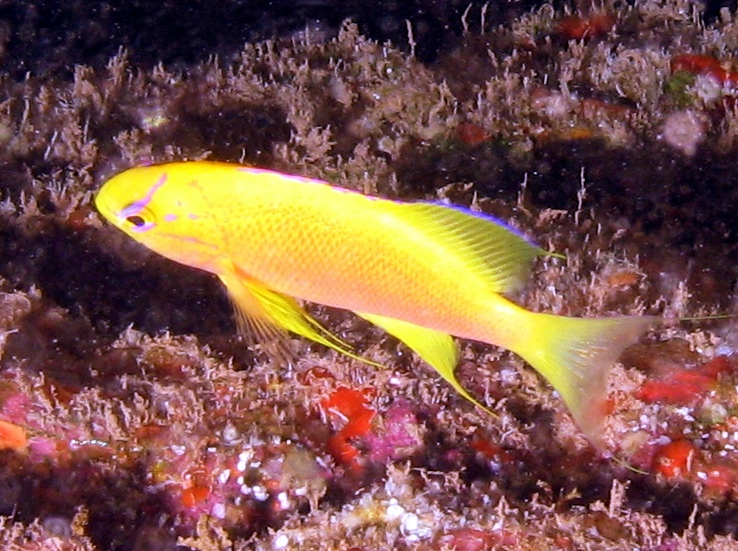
(170,217)
(138,206)
(144,227)
(192,216)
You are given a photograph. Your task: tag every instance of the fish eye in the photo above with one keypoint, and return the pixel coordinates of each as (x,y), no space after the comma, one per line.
(136,220)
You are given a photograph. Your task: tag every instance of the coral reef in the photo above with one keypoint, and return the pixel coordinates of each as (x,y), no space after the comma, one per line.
(132,418)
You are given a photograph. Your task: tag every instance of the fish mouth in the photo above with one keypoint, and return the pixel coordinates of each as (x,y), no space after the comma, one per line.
(101,207)
(102,204)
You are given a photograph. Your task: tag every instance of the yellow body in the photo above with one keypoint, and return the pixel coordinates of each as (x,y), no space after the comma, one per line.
(421,271)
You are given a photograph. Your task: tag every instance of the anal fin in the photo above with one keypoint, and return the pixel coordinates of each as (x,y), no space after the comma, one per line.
(435,348)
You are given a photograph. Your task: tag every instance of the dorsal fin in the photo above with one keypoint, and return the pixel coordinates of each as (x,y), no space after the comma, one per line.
(489,248)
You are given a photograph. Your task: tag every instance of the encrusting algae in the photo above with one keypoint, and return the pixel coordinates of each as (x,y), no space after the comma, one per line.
(421,271)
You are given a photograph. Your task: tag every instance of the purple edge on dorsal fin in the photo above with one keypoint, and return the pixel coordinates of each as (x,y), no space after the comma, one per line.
(487,217)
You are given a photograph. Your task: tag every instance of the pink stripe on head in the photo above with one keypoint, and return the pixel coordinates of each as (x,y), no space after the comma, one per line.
(138,206)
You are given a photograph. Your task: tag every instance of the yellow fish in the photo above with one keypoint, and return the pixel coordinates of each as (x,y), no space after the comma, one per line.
(420,271)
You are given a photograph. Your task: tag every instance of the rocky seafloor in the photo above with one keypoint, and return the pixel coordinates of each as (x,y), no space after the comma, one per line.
(133,418)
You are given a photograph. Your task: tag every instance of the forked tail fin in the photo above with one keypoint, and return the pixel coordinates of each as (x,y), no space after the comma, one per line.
(575,356)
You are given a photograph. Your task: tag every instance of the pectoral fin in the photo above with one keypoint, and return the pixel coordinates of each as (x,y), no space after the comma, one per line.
(265,316)
(434,347)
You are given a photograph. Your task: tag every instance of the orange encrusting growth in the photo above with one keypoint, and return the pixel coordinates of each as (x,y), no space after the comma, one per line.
(421,271)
